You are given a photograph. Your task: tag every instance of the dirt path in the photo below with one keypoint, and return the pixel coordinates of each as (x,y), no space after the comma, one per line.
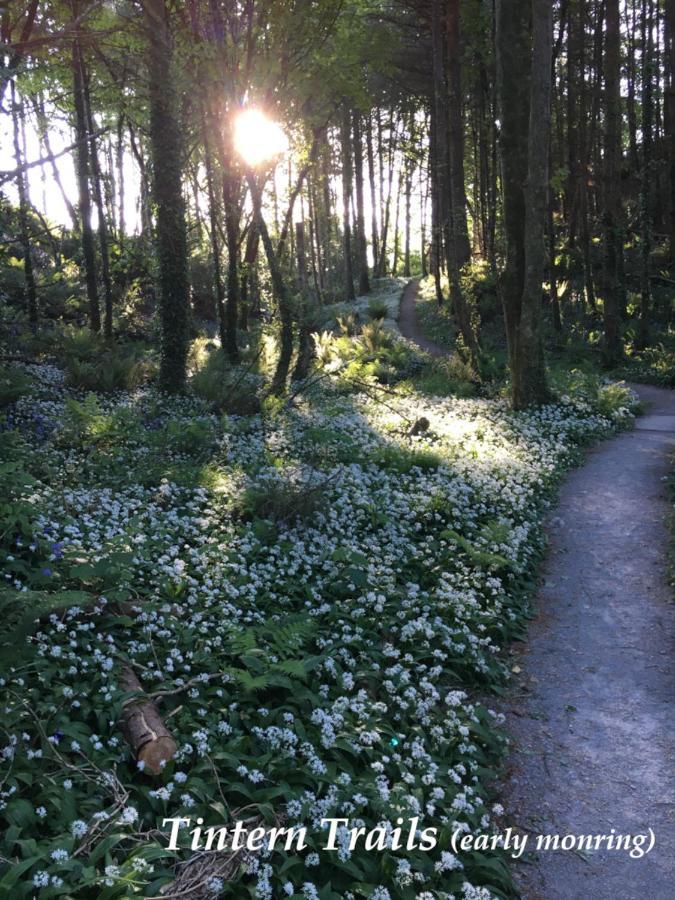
(407,321)
(592,716)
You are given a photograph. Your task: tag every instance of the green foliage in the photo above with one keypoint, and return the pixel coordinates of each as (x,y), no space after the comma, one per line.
(281,501)
(14,383)
(377,310)
(227,389)
(110,371)
(446,376)
(654,365)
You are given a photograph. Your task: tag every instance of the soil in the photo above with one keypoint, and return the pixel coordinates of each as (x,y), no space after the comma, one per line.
(592,715)
(409,324)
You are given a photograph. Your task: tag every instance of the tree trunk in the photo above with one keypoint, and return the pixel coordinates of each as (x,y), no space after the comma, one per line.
(375,238)
(346,204)
(456,133)
(513,77)
(232,216)
(24,205)
(143,727)
(82,168)
(669,119)
(613,230)
(452,245)
(361,241)
(648,173)
(101,210)
(214,236)
(167,165)
(280,291)
(301,370)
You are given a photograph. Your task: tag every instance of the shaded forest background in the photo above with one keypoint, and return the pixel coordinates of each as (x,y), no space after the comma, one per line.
(518,157)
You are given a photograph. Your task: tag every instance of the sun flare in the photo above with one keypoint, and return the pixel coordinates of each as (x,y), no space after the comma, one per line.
(258,138)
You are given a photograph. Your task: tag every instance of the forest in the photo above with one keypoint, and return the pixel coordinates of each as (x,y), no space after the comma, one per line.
(306,308)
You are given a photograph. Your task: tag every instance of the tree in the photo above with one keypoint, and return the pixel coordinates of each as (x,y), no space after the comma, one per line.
(523,78)
(167,170)
(361,240)
(24,205)
(345,139)
(456,132)
(83,176)
(613,285)
(528,372)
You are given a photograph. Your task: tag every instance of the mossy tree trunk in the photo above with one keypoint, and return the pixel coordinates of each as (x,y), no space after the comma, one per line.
(170,232)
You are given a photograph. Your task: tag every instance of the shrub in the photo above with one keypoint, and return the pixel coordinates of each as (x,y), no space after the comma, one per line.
(377,310)
(347,324)
(225,388)
(190,436)
(281,500)
(110,372)
(14,383)
(375,337)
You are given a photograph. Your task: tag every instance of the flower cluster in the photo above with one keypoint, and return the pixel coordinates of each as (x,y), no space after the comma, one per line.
(318,652)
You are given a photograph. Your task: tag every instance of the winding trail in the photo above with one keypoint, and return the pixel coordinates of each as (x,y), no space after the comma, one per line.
(591,715)
(593,719)
(408,324)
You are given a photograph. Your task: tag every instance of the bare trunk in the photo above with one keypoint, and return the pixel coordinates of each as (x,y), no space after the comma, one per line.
(82,168)
(24,206)
(456,133)
(346,204)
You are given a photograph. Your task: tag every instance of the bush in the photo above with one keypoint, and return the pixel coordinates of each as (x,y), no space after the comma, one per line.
(377,310)
(225,388)
(110,372)
(189,437)
(278,500)
(347,324)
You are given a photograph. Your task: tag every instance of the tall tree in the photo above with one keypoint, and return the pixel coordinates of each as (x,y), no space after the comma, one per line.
(456,132)
(528,372)
(345,139)
(24,206)
(167,171)
(669,118)
(524,84)
(613,286)
(361,240)
(83,174)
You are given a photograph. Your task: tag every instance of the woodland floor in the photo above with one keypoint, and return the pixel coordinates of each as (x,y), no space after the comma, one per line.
(592,713)
(409,324)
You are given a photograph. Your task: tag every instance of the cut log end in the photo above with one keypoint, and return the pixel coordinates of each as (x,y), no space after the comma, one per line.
(144,728)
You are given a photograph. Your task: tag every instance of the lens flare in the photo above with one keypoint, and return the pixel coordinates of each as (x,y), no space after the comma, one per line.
(257,138)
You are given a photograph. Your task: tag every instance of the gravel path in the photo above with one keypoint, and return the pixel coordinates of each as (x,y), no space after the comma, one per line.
(592,715)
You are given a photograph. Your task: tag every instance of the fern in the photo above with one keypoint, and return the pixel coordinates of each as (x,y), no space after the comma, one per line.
(20,613)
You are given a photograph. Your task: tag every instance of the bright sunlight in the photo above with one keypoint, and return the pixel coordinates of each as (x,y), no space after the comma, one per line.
(257,138)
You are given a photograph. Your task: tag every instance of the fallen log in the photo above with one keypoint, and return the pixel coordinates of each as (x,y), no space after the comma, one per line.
(143,727)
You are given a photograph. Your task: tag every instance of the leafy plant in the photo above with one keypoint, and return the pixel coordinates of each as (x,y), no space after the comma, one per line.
(377,310)
(14,383)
